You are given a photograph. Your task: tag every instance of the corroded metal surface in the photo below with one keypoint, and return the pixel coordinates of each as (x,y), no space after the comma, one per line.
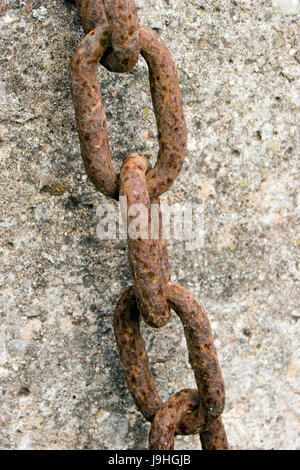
(167,103)
(91,119)
(168,417)
(209,401)
(121,15)
(134,356)
(202,351)
(215,437)
(89,113)
(143,252)
(92,14)
(124,24)
(117,45)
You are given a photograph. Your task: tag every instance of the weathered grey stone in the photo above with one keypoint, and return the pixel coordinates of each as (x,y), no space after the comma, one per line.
(114,429)
(287,7)
(239,72)
(41,213)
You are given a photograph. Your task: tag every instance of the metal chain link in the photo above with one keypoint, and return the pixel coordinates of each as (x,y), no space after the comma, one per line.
(115,38)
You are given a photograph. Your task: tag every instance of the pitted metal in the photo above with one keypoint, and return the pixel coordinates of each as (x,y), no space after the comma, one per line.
(121,15)
(114,38)
(143,252)
(91,118)
(202,356)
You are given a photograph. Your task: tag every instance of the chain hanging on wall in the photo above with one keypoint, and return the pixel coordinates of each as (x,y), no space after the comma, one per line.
(115,38)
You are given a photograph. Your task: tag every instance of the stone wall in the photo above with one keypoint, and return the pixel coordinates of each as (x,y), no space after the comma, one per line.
(62,385)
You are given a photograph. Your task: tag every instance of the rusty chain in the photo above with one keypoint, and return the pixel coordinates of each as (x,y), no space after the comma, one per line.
(115,38)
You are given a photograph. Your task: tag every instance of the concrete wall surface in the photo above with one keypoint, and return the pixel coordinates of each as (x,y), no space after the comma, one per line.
(62,384)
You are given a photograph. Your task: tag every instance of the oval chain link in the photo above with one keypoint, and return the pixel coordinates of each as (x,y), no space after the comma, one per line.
(91,118)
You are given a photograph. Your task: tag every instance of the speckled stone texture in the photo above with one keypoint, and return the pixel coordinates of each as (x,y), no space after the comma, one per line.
(62,385)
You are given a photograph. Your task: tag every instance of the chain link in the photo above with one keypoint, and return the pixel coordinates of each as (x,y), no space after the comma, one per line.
(121,15)
(115,38)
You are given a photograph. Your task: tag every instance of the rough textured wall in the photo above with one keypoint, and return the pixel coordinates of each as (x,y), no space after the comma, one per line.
(62,385)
